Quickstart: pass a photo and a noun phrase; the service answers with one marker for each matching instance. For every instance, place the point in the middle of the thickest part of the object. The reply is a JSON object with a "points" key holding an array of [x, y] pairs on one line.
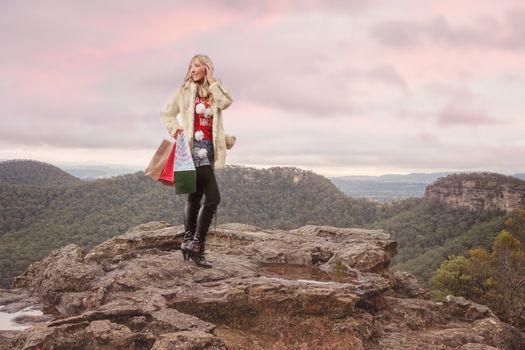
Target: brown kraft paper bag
{"points": [[159, 160]]}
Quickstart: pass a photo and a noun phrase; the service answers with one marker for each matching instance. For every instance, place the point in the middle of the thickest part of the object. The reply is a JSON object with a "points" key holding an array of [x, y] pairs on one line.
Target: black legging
{"points": [[206, 185]]}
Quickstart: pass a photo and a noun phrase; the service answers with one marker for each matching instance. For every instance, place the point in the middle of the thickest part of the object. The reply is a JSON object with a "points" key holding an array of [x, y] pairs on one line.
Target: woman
{"points": [[200, 101]]}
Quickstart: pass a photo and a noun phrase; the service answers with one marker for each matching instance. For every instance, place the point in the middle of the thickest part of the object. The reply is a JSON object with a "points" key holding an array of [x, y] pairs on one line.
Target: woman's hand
{"points": [[176, 132], [209, 76]]}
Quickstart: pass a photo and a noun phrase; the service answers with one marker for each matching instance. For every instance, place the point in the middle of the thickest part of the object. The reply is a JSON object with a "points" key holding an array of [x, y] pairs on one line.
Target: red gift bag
{"points": [[166, 176]]}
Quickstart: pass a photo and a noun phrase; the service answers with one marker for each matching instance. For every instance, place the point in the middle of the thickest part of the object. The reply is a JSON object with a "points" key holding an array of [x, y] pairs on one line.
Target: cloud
{"points": [[303, 64], [429, 138], [516, 21], [462, 110], [115, 133], [482, 32], [459, 114]]}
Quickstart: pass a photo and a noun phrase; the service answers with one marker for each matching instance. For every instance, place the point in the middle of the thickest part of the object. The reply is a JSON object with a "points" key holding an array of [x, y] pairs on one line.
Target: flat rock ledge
{"points": [[315, 287]]}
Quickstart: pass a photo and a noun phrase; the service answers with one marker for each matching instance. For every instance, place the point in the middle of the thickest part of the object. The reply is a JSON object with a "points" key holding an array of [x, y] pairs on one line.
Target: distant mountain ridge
{"points": [[412, 177], [32, 172], [391, 187], [386, 188], [93, 172], [519, 176]]}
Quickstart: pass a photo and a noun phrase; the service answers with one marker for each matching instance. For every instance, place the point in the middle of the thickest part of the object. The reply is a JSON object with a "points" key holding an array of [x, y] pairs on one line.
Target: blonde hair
{"points": [[202, 88]]}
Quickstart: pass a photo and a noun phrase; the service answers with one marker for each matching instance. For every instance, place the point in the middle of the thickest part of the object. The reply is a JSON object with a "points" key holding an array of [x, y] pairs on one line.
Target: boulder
{"points": [[464, 308]]}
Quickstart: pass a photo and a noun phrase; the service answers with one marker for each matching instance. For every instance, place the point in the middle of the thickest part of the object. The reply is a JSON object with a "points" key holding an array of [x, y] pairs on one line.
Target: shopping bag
{"points": [[166, 176], [159, 160], [185, 177]]}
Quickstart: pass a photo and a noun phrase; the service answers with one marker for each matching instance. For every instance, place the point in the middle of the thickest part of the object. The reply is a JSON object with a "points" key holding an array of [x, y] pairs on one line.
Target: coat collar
{"points": [[193, 94]]}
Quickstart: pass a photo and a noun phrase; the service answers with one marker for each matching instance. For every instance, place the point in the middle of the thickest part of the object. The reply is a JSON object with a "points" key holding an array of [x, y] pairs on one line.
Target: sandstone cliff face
{"points": [[316, 287], [479, 191]]}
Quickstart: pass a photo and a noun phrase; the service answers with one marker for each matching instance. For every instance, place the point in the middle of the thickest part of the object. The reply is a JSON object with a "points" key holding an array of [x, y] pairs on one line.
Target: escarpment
{"points": [[313, 287], [479, 191]]}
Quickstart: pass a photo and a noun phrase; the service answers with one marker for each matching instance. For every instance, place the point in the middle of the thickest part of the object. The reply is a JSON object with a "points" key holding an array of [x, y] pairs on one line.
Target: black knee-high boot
{"points": [[191, 211], [197, 246]]}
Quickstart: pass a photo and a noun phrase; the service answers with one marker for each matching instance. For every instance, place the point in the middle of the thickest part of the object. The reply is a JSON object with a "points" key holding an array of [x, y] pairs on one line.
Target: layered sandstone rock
{"points": [[479, 191], [314, 287]]}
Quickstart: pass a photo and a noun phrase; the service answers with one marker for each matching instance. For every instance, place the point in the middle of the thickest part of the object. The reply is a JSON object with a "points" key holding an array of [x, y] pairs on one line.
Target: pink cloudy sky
{"points": [[339, 87]]}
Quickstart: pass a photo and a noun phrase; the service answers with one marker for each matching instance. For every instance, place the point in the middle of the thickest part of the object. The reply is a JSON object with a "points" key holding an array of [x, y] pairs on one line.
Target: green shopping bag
{"points": [[184, 173]]}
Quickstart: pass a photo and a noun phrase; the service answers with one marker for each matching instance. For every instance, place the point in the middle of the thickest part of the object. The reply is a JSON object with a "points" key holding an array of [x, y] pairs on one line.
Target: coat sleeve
{"points": [[169, 114], [221, 96]]}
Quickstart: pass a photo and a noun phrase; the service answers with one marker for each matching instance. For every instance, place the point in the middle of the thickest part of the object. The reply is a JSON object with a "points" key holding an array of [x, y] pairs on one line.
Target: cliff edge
{"points": [[479, 191], [313, 287]]}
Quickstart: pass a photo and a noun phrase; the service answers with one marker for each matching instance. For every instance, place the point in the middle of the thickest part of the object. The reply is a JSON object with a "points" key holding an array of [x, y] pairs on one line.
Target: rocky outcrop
{"points": [[479, 191], [314, 287], [461, 307]]}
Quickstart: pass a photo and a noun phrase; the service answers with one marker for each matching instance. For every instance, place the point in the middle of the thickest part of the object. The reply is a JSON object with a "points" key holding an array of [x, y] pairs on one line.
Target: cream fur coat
{"points": [[179, 111]]}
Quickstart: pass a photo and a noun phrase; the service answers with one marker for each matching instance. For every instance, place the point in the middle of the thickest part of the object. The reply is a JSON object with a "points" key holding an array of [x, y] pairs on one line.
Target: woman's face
{"points": [[198, 71]]}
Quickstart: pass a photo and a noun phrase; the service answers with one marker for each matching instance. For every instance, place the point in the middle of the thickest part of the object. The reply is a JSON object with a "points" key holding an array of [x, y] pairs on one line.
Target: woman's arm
{"points": [[169, 113], [221, 96]]}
